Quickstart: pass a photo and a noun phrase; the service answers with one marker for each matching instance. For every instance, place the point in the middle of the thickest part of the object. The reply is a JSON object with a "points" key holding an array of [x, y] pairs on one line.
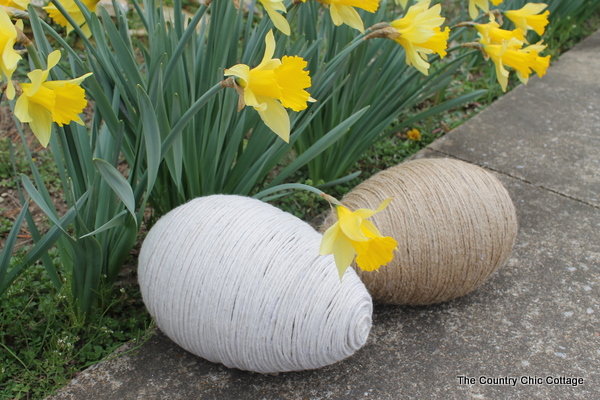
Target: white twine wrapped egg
{"points": [[454, 222], [239, 282]]}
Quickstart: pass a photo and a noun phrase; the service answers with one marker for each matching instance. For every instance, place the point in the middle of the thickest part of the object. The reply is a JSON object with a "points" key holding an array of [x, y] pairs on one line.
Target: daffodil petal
{"points": [[276, 118], [350, 225], [22, 109], [336, 18], [76, 81], [53, 59], [384, 204], [241, 71], [85, 28], [347, 15], [10, 89], [278, 20], [37, 78], [10, 58], [251, 100], [473, 4], [41, 123], [367, 213], [412, 56], [343, 254], [369, 229], [269, 50], [329, 238]]}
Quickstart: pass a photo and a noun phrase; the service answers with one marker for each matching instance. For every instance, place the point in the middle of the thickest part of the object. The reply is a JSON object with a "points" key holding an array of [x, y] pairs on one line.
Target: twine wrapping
{"points": [[454, 222], [240, 282]]}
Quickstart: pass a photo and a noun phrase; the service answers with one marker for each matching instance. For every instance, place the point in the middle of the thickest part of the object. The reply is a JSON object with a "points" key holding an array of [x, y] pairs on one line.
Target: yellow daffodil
{"points": [[353, 235], [484, 5], [273, 85], [71, 7], [540, 65], [511, 54], [492, 33], [272, 6], [342, 11], [43, 102], [18, 4], [529, 17], [9, 58], [420, 34]]}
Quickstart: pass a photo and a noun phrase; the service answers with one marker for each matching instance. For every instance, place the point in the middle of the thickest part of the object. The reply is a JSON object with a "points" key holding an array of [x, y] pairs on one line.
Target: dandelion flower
{"points": [[414, 134]]}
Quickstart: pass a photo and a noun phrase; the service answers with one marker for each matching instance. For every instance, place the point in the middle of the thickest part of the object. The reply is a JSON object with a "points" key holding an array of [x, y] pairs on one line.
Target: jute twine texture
{"points": [[239, 282], [454, 222]]}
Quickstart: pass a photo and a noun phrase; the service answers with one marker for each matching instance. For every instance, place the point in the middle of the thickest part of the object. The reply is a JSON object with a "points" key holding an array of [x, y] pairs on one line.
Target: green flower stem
{"points": [[34, 55], [288, 186]]}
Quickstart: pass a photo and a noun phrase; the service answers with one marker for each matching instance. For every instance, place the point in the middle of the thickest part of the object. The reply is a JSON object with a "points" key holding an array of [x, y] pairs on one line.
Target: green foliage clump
{"points": [[43, 343]]}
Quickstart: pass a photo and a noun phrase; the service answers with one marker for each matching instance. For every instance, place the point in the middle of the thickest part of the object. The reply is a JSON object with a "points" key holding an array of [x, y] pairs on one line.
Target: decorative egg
{"points": [[454, 222], [237, 281]]}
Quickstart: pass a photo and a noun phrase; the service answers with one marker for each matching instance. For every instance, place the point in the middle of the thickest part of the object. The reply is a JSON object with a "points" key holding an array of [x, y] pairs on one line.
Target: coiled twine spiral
{"points": [[454, 222], [240, 282]]}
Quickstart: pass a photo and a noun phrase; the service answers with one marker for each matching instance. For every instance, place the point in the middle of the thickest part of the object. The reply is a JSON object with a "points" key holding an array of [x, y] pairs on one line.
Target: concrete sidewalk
{"points": [[537, 317]]}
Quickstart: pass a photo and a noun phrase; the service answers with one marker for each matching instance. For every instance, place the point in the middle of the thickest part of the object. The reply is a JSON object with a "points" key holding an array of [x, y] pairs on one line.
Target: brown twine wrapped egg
{"points": [[454, 222]]}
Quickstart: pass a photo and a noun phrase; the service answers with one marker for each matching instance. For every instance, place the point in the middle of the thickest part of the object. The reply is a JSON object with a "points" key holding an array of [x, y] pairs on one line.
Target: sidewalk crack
{"points": [[517, 178]]}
